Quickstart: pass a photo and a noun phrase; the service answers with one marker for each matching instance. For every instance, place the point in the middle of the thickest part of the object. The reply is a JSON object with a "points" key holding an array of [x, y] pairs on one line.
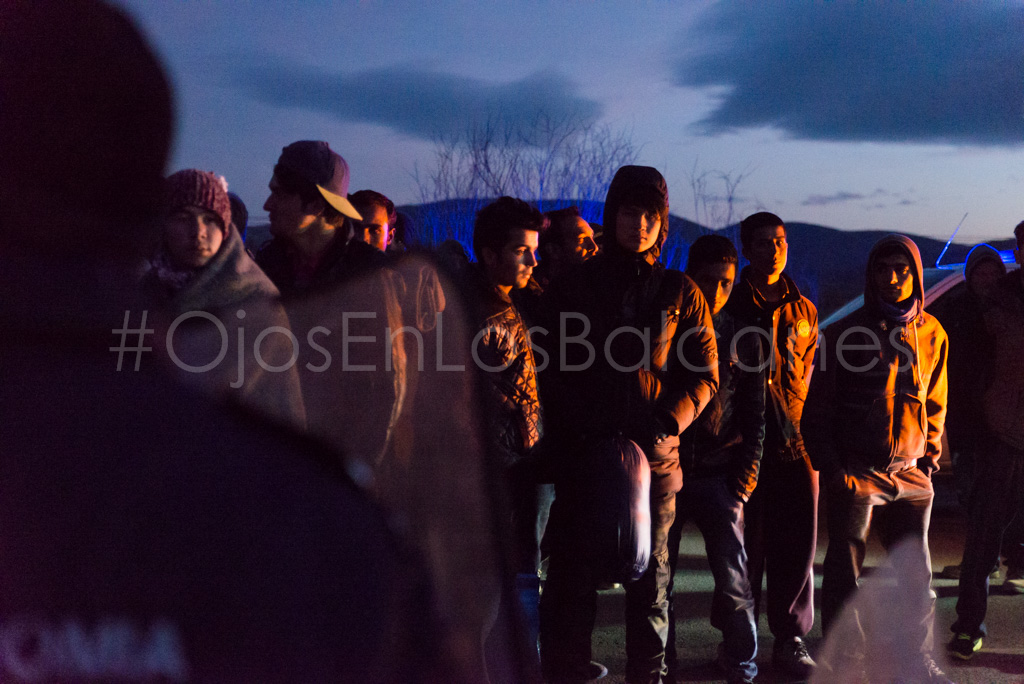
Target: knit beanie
{"points": [[195, 188]]}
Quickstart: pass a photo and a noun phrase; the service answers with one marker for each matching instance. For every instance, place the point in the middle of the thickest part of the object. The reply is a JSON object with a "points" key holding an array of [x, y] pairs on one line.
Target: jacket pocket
{"points": [[911, 425]]}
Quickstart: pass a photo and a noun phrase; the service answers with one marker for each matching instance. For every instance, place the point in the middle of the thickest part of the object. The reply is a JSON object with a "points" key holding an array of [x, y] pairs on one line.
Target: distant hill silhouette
{"points": [[827, 264]]}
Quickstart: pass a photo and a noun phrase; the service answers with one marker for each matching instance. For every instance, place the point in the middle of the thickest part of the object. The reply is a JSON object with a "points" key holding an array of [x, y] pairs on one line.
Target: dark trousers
{"points": [[997, 497], [1013, 541], [569, 603], [781, 534], [530, 506], [900, 504], [711, 504]]}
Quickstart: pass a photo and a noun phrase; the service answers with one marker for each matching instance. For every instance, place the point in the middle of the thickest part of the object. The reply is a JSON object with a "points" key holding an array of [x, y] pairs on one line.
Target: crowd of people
{"points": [[356, 459]]}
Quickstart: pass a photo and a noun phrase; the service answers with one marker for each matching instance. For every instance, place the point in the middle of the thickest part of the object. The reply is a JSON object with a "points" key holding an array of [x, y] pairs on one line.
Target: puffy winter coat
{"points": [[503, 351]]}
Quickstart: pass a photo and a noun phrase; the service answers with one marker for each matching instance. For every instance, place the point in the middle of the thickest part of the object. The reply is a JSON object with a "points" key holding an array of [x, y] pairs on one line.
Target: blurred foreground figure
{"points": [[874, 420], [148, 533], [874, 637]]}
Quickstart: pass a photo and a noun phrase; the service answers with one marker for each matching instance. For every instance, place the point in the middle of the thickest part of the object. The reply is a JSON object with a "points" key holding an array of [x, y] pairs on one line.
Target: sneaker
{"points": [[929, 671], [594, 671], [963, 646], [792, 656], [1014, 582]]}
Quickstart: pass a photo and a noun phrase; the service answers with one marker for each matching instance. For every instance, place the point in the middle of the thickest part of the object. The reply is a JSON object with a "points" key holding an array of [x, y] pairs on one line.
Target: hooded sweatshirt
{"points": [[878, 396], [630, 386]]}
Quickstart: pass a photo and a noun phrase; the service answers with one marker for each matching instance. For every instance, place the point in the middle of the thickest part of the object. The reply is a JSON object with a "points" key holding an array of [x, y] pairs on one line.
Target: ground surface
{"points": [[1000, 661]]}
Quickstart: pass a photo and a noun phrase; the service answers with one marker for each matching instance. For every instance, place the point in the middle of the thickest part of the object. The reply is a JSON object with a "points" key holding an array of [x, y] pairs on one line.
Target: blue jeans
{"points": [[718, 514]]}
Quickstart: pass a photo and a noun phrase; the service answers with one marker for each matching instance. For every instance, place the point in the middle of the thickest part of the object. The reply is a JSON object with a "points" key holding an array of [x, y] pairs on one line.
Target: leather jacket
{"points": [[503, 351], [616, 331]]}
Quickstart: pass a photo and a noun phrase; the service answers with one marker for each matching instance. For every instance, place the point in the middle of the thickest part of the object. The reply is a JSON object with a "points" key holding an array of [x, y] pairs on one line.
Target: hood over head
{"points": [[884, 245], [979, 254], [641, 186]]}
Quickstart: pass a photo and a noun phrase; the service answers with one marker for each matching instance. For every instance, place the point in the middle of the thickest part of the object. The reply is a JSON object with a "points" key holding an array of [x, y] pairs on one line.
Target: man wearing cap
{"points": [[308, 207]]}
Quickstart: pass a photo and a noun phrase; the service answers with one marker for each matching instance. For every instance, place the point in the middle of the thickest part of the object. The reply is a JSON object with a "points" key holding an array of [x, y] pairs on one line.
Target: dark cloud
{"points": [[945, 72], [823, 200], [843, 196], [420, 103]]}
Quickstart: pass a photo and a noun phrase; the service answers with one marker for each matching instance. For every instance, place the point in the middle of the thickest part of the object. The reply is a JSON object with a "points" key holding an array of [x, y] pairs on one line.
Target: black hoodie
{"points": [[628, 387]]}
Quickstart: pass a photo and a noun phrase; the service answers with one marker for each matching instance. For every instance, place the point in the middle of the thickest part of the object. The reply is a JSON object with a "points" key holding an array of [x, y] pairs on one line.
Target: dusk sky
{"points": [[856, 115]]}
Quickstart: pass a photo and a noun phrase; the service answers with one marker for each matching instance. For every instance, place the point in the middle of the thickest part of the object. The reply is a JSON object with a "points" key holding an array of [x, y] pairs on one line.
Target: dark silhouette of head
{"points": [[85, 129]]}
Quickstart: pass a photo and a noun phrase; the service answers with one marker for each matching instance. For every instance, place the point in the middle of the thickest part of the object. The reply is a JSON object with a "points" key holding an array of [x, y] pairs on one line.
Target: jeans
{"points": [[718, 514], [997, 497]]}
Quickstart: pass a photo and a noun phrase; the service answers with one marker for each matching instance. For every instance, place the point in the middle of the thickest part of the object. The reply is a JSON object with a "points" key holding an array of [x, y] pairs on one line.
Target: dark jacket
{"points": [[726, 439], [504, 353], [630, 344], [1004, 399], [881, 404], [792, 326], [602, 379], [969, 368], [340, 262], [141, 517]]}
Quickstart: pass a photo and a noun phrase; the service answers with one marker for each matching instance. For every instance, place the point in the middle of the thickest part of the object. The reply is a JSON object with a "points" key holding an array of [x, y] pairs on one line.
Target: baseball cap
{"points": [[315, 161]]}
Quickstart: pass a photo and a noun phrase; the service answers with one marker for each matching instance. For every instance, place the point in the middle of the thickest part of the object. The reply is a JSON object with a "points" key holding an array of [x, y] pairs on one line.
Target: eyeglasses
{"points": [[884, 270]]}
